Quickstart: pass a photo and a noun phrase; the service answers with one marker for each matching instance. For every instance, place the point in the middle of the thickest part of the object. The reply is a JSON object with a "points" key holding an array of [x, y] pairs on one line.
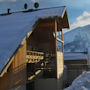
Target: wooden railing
{"points": [[39, 61], [34, 57]]}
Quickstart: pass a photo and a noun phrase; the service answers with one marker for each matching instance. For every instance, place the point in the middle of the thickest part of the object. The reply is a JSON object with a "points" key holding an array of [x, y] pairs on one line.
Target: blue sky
{"points": [[78, 10]]}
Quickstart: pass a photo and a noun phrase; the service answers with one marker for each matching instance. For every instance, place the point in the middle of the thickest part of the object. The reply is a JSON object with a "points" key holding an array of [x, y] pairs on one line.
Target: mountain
{"points": [[77, 40]]}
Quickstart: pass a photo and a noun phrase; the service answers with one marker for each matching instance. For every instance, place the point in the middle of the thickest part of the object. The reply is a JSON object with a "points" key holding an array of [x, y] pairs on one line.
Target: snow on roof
{"points": [[81, 83], [75, 56], [14, 28]]}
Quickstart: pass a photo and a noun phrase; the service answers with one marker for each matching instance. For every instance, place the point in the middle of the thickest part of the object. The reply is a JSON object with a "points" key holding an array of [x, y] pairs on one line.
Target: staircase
{"points": [[39, 62]]}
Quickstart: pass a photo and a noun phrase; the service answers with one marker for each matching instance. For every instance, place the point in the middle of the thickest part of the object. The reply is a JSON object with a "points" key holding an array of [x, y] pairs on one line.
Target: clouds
{"points": [[81, 20]]}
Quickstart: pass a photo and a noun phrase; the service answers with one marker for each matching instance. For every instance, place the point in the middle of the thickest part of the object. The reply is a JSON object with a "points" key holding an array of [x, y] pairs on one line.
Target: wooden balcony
{"points": [[34, 57]]}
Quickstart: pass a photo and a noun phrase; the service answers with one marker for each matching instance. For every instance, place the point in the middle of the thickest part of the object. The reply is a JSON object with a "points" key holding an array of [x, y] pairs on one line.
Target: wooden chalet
{"points": [[29, 56]]}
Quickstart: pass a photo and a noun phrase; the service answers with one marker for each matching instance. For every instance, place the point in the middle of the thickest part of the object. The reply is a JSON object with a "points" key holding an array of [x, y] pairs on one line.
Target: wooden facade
{"points": [[41, 49], [38, 56], [16, 73], [43, 41]]}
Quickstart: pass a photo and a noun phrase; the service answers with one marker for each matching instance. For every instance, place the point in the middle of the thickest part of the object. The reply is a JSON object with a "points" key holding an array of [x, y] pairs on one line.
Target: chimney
{"points": [[25, 6], [36, 4], [9, 11]]}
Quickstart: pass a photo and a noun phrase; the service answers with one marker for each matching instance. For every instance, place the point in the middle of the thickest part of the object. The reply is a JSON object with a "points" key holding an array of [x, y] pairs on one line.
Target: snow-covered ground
{"points": [[81, 83]]}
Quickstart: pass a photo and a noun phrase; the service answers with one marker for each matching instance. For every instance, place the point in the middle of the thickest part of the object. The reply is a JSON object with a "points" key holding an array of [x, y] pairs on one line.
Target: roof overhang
{"points": [[62, 21]]}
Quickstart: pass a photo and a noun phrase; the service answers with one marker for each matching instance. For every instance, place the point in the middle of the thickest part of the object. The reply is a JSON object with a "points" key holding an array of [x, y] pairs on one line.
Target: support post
{"points": [[56, 45], [59, 65], [62, 40]]}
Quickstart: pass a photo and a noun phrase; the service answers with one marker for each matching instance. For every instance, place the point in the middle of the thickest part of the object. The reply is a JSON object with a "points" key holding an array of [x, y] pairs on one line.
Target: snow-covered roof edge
{"points": [[13, 55], [69, 56], [28, 34]]}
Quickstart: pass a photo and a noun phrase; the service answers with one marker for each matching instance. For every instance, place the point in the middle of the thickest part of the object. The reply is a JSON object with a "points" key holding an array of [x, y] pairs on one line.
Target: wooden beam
{"points": [[56, 31], [34, 57], [34, 75], [35, 52], [56, 46], [29, 33], [60, 40]]}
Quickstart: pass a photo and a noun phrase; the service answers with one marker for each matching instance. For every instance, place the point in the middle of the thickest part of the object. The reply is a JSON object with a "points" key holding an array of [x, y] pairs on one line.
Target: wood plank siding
{"points": [[16, 73]]}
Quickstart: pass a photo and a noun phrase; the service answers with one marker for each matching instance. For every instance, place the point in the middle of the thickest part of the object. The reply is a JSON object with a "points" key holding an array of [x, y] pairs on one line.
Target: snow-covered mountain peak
{"points": [[77, 39]]}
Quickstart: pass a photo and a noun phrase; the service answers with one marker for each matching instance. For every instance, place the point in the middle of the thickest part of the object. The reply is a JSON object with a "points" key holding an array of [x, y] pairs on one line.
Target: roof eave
{"points": [[64, 21]]}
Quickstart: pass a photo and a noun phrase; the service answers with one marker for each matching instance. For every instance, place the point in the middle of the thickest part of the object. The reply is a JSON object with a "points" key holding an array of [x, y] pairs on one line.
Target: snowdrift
{"points": [[81, 83]]}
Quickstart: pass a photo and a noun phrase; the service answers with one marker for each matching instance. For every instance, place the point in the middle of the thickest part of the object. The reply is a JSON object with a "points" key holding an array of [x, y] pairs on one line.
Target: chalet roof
{"points": [[15, 27], [75, 56]]}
